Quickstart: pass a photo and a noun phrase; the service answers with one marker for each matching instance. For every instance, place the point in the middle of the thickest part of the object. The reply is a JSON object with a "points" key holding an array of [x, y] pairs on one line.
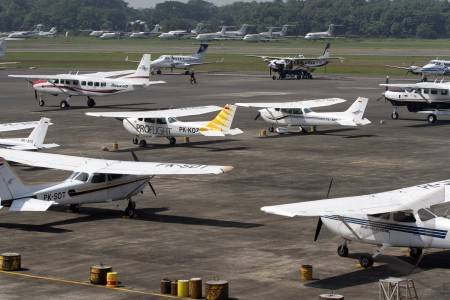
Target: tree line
{"points": [[365, 18]]}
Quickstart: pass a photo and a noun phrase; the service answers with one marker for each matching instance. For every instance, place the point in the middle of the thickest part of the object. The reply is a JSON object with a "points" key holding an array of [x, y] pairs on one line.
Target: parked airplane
{"points": [[36, 32], [93, 84], [92, 181], [212, 35], [224, 34], [34, 141], [299, 67], [267, 36], [400, 218], [431, 98], [175, 34], [110, 35], [3, 53], [436, 67], [51, 33], [144, 34], [321, 35], [164, 123], [293, 116], [6, 127]]}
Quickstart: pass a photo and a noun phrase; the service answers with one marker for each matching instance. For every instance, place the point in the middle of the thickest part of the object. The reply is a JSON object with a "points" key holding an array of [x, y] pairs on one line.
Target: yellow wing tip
{"points": [[227, 168]]}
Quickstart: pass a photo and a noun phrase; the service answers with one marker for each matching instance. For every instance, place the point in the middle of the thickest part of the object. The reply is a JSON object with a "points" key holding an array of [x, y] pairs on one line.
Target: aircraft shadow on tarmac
{"points": [[331, 132], [92, 214], [198, 144], [425, 124], [392, 266], [128, 106]]}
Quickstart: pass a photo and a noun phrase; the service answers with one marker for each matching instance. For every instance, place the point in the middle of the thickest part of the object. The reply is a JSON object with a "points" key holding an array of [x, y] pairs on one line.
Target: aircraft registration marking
{"points": [[54, 196], [154, 130]]}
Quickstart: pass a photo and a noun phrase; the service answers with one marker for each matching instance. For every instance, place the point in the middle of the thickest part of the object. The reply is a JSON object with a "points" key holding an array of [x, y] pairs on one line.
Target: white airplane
{"points": [[109, 35], [185, 62], [35, 141], [299, 67], [36, 32], [93, 84], [405, 217], [147, 34], [51, 33], [321, 35], [176, 34], [267, 36], [437, 67], [293, 116], [3, 53], [164, 123], [92, 181], [97, 33], [211, 35], [224, 34], [431, 98]]}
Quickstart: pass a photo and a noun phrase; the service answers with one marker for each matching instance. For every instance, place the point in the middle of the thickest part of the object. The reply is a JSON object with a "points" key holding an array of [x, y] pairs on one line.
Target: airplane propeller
{"points": [[319, 222], [35, 95], [135, 158], [257, 116]]}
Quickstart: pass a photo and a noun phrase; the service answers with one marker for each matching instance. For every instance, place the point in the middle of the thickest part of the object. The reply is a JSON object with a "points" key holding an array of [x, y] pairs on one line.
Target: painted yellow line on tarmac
{"points": [[74, 282]]}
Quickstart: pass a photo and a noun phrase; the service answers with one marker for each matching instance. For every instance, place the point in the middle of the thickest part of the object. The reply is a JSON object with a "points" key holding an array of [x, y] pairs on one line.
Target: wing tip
{"points": [[226, 169]]}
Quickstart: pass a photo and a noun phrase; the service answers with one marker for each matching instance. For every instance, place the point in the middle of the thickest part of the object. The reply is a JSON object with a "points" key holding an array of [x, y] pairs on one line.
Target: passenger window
{"points": [[286, 111], [103, 84], [402, 216], [277, 109], [384, 216], [83, 83], [426, 91], [444, 92], [425, 215], [161, 121], [98, 178], [55, 81], [90, 83], [434, 92], [140, 119], [76, 82], [149, 120], [68, 82], [96, 84]]}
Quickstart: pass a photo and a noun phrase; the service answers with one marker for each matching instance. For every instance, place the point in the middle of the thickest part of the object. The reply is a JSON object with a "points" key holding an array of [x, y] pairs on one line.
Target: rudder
{"points": [[39, 133], [11, 186], [223, 120]]}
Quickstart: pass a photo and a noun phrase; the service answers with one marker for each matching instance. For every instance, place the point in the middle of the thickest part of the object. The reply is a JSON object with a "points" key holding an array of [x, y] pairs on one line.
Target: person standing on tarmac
{"points": [[193, 80]]}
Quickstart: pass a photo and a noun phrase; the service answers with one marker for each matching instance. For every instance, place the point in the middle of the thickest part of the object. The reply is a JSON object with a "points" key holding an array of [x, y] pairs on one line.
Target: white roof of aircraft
{"points": [[295, 104]]}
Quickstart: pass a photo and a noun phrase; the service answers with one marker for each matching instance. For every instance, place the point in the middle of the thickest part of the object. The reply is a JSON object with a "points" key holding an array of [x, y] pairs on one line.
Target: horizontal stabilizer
{"points": [[212, 133], [30, 204], [364, 121], [346, 122], [234, 131]]}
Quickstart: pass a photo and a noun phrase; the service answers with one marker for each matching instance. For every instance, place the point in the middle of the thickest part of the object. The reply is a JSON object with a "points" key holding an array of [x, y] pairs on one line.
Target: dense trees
{"points": [[374, 18]]}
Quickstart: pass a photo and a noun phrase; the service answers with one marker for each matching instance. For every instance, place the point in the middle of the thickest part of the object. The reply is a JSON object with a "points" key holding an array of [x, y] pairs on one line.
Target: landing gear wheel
{"points": [[431, 118], [299, 77], [41, 103], [64, 104], [130, 211], [75, 208], [415, 252], [142, 143], [271, 129], [135, 141], [159, 72], [366, 261], [394, 115], [91, 102], [342, 251], [274, 77], [187, 72], [172, 141]]}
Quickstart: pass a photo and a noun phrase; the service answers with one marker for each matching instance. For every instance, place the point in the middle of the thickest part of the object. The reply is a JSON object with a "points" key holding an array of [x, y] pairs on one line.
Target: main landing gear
{"points": [[130, 211], [172, 140], [394, 114], [415, 252], [75, 208], [431, 118], [90, 102]]}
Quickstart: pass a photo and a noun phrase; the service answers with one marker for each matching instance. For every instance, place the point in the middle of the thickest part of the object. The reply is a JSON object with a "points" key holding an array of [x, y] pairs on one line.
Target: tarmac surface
{"points": [[211, 226]]}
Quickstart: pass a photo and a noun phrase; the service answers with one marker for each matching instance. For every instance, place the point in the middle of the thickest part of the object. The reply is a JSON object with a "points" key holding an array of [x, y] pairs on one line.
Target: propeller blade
{"points": [[318, 228], [329, 187], [152, 188], [257, 116], [135, 158], [35, 95]]}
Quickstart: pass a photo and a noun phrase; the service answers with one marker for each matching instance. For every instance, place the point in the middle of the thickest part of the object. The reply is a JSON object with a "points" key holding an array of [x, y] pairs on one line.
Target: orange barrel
{"points": [[173, 288], [112, 279], [164, 286], [115, 147], [195, 288], [10, 262], [263, 133], [99, 274], [183, 288], [306, 272], [186, 139], [331, 297], [216, 290]]}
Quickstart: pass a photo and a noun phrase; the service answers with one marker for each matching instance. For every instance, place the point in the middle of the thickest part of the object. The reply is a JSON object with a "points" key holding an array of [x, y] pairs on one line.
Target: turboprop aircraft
{"points": [[267, 36], [321, 35], [163, 123], [293, 116], [437, 67], [93, 84], [92, 181], [299, 67], [431, 98], [35, 141], [405, 217], [224, 34]]}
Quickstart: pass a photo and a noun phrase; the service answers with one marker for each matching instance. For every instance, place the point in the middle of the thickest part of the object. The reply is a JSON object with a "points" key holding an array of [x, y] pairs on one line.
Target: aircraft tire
{"points": [[366, 261], [394, 116], [130, 212], [172, 141], [415, 252], [91, 102], [431, 118], [159, 72], [142, 143], [271, 129], [342, 251], [274, 77], [64, 104], [41, 103], [135, 141]]}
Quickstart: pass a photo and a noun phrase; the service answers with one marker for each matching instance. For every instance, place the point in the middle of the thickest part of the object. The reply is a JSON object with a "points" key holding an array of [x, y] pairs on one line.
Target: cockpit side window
{"points": [[149, 120], [98, 178], [403, 216], [307, 110], [82, 177], [161, 121], [425, 215], [384, 216], [172, 120], [444, 92], [112, 177]]}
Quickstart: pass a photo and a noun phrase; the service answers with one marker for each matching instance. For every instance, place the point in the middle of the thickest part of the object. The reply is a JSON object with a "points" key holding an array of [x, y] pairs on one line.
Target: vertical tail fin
{"points": [[11, 186], [53, 30], [222, 122], [243, 29], [357, 109], [326, 51], [156, 29], [38, 134], [143, 70], [201, 51], [284, 30]]}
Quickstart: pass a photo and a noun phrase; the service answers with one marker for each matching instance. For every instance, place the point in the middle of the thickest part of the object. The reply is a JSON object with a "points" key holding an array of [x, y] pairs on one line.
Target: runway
{"points": [[212, 226]]}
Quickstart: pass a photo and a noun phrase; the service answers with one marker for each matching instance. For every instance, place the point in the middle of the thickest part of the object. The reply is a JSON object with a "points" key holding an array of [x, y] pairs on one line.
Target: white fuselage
{"points": [[384, 230], [175, 34], [309, 64], [175, 61], [163, 127], [318, 35], [300, 117]]}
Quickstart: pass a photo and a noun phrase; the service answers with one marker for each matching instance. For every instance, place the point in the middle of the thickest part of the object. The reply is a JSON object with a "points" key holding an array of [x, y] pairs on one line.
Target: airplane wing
{"points": [[347, 122], [18, 126], [398, 67], [8, 63], [295, 104], [423, 85], [164, 113], [33, 76], [92, 165], [110, 74], [410, 198]]}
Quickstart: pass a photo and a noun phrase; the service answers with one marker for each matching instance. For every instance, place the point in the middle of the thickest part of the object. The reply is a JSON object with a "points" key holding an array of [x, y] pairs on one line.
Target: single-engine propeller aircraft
{"points": [[431, 98], [90, 85], [294, 116], [34, 141], [299, 67], [92, 181], [406, 217], [164, 123]]}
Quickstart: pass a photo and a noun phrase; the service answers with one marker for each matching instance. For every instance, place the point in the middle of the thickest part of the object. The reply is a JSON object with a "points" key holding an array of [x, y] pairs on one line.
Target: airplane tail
{"points": [[223, 30], [11, 186], [156, 29], [143, 70], [201, 51], [243, 29], [326, 51], [284, 30], [53, 30], [356, 111], [221, 124], [37, 136], [331, 29]]}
